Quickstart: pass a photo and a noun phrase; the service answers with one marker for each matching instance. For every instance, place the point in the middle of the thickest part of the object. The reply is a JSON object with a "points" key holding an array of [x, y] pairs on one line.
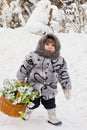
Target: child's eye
{"points": [[47, 43]]}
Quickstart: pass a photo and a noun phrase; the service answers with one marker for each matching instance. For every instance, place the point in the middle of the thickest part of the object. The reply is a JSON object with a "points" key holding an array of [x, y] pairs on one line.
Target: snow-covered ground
{"points": [[14, 45]]}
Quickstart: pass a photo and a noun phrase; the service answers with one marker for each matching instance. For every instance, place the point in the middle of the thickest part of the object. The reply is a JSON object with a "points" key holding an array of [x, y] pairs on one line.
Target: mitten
{"points": [[67, 93]]}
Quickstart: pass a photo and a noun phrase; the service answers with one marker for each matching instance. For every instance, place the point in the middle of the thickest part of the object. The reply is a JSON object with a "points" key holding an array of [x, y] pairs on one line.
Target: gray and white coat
{"points": [[44, 70]]}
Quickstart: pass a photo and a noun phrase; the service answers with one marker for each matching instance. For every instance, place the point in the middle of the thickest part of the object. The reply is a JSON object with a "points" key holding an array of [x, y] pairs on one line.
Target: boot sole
{"points": [[56, 124]]}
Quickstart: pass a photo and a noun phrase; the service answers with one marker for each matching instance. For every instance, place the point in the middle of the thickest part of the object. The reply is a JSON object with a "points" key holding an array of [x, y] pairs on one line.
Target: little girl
{"points": [[44, 68]]}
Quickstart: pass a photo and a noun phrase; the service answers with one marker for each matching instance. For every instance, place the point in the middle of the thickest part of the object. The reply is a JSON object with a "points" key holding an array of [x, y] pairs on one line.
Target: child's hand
{"points": [[67, 93], [21, 82]]}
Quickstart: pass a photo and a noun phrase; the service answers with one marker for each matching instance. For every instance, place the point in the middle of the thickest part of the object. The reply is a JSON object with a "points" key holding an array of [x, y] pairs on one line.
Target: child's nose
{"points": [[50, 46]]}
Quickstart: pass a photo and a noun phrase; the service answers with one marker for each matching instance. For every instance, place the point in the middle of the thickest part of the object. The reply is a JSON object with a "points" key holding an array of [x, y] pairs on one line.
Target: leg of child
{"points": [[52, 119], [29, 111], [51, 110]]}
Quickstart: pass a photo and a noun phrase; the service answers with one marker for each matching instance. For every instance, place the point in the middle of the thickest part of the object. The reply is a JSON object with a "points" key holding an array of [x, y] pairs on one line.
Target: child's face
{"points": [[50, 45]]}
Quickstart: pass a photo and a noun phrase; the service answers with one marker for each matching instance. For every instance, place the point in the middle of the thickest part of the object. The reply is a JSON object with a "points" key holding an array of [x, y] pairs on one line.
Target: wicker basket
{"points": [[9, 109]]}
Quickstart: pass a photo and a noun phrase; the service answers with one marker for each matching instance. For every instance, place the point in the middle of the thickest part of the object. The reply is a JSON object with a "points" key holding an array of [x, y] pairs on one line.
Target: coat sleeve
{"points": [[63, 75], [26, 67]]}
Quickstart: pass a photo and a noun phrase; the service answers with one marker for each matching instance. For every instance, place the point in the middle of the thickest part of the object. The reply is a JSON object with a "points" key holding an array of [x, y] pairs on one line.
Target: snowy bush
{"points": [[76, 17], [15, 13], [44, 16]]}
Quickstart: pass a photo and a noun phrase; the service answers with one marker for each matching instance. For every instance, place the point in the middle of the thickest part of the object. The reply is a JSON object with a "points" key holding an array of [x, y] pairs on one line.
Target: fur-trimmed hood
{"points": [[40, 48]]}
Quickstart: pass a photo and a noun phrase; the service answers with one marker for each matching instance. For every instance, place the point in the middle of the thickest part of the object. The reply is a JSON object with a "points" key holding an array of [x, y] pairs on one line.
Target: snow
{"points": [[16, 44], [37, 23]]}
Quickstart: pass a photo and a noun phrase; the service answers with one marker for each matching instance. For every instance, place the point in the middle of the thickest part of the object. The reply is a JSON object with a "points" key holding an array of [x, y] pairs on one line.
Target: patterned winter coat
{"points": [[45, 70]]}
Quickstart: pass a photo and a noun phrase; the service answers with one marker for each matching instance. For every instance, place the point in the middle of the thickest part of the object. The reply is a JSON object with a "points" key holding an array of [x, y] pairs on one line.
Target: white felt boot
{"points": [[52, 119], [27, 114]]}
